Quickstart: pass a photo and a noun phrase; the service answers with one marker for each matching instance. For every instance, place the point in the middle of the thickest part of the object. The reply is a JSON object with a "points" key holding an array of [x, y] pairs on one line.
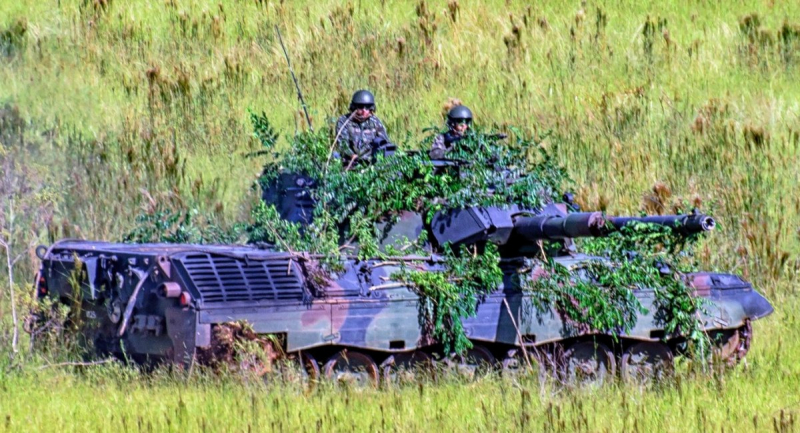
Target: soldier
{"points": [[459, 119], [360, 132]]}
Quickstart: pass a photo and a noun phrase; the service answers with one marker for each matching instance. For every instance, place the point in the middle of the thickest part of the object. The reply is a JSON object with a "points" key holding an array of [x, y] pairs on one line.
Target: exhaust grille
{"points": [[226, 279]]}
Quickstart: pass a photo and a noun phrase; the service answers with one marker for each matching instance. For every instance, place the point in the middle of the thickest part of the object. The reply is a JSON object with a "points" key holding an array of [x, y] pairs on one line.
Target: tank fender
{"points": [[732, 293], [756, 305], [186, 334], [741, 305]]}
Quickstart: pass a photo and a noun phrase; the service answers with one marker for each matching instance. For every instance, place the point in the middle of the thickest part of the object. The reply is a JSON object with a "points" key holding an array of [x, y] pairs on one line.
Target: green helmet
{"points": [[362, 98], [459, 113]]}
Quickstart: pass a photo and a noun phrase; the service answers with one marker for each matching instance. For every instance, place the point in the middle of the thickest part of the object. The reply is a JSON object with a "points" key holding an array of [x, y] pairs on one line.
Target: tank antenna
{"points": [[296, 84]]}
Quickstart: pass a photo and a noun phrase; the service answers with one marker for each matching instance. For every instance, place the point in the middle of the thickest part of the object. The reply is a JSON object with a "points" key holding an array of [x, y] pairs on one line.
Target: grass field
{"points": [[109, 107], [758, 396]]}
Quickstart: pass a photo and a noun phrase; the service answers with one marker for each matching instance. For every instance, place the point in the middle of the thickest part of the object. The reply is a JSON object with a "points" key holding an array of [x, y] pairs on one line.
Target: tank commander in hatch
{"points": [[361, 134], [459, 119]]}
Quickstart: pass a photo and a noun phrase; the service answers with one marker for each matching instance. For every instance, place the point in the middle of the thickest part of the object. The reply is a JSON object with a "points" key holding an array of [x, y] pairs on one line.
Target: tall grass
{"points": [[758, 396], [120, 106], [143, 95]]}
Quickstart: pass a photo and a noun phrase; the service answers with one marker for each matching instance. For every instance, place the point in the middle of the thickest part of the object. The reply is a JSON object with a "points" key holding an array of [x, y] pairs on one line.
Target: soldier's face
{"points": [[362, 113], [461, 128]]}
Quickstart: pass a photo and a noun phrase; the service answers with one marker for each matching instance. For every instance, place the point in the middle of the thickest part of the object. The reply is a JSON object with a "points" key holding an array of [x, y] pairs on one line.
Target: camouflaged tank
{"points": [[185, 303]]}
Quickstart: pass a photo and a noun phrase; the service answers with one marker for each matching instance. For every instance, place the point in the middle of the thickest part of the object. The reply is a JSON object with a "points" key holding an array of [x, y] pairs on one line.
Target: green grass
{"points": [[135, 99], [753, 397]]}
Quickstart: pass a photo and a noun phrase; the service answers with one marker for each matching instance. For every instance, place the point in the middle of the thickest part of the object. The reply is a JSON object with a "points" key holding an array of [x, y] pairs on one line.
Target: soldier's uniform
{"points": [[443, 144], [357, 138]]}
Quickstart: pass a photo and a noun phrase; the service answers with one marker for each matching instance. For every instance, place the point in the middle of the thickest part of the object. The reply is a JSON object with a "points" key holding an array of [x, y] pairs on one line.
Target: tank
{"points": [[183, 304]]}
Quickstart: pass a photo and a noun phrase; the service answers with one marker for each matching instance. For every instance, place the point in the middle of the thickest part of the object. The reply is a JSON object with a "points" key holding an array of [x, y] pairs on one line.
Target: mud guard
{"points": [[186, 334]]}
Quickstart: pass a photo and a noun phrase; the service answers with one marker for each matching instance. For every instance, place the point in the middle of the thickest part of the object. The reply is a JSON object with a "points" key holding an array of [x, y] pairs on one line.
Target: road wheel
{"points": [[352, 368], [731, 345], [475, 361], [646, 361], [589, 362], [403, 368], [301, 367], [516, 365]]}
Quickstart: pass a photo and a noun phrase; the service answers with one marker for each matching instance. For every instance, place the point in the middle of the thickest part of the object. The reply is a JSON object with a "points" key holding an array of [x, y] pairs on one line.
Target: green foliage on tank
{"points": [[597, 295], [349, 200]]}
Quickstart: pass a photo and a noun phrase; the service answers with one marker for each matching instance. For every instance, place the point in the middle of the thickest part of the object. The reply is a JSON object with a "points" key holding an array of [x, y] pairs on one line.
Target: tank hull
{"points": [[163, 302]]}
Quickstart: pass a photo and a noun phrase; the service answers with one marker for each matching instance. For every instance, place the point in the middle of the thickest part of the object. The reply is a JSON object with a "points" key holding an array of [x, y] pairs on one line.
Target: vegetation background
{"points": [[111, 108]]}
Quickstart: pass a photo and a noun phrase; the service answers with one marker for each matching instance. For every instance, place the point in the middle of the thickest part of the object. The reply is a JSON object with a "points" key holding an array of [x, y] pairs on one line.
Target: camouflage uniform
{"points": [[443, 144], [356, 138]]}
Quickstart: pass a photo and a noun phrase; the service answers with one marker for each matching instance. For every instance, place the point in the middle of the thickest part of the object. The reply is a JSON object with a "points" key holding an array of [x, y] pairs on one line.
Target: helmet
{"points": [[362, 98], [459, 113]]}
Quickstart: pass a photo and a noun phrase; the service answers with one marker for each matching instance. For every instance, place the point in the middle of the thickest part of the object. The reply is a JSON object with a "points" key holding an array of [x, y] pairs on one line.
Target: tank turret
{"points": [[513, 226], [518, 230]]}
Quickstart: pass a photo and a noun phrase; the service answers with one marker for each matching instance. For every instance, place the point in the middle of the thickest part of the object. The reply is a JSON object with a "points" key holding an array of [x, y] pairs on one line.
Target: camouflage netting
{"points": [[351, 198]]}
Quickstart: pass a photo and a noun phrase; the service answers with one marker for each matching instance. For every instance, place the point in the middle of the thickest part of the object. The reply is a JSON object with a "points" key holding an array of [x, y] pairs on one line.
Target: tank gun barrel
{"points": [[594, 224], [575, 225], [684, 224]]}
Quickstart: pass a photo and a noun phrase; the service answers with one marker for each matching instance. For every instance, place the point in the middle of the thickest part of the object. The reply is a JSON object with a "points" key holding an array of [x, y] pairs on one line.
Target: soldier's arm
{"points": [[380, 130], [437, 148], [343, 138], [341, 132]]}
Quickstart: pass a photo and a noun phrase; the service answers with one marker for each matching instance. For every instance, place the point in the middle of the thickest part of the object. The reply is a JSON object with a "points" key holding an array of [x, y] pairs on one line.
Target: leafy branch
{"points": [[453, 293], [600, 295]]}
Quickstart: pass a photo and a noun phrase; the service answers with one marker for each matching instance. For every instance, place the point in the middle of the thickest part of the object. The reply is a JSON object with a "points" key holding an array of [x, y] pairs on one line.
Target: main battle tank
{"points": [[176, 303]]}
